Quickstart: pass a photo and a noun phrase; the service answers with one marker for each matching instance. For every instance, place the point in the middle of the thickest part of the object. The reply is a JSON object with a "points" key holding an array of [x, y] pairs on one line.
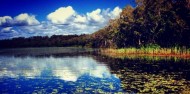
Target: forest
{"points": [[165, 23]]}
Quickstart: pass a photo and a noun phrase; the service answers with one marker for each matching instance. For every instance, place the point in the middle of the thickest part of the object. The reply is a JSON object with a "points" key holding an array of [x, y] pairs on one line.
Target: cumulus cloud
{"points": [[20, 20], [98, 17], [6, 21], [25, 19], [95, 16], [115, 13], [80, 19], [61, 15], [63, 21], [66, 20]]}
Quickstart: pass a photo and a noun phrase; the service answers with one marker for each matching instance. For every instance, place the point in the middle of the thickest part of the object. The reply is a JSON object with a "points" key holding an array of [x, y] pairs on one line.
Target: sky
{"points": [[26, 18]]}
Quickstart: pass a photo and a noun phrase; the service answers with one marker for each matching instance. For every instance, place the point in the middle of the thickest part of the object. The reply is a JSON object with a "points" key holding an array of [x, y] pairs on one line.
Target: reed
{"points": [[147, 51]]}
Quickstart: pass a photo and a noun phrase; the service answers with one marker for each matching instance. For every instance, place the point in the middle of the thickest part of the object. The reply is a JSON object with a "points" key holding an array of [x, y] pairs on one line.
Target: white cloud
{"points": [[116, 12], [8, 32], [25, 19], [6, 20], [6, 29], [89, 22], [95, 16], [80, 19], [20, 20], [63, 21], [61, 15], [79, 26], [67, 15]]}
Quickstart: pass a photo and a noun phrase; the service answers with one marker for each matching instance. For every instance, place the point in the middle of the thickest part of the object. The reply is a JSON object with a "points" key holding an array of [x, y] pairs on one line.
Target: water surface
{"points": [[80, 70]]}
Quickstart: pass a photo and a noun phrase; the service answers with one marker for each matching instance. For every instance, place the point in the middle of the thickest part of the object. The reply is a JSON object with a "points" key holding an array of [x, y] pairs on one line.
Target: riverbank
{"points": [[147, 52]]}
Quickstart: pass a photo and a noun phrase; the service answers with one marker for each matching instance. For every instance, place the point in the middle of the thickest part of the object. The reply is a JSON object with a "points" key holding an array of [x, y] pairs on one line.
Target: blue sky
{"points": [[25, 18]]}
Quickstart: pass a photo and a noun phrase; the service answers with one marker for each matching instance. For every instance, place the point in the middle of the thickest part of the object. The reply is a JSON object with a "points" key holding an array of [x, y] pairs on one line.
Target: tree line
{"points": [[41, 41]]}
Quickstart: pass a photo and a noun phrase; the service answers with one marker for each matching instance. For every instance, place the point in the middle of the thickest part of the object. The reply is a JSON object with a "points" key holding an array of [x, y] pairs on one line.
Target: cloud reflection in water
{"points": [[65, 68]]}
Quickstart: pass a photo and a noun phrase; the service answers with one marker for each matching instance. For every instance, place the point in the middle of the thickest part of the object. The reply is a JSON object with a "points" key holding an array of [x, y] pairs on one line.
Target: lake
{"points": [[83, 70]]}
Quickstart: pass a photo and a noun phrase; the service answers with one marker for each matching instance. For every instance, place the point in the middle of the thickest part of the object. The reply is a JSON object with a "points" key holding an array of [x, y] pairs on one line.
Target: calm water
{"points": [[79, 70]]}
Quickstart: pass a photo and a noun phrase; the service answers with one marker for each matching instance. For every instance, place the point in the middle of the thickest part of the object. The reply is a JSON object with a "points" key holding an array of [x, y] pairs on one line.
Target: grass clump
{"points": [[148, 50]]}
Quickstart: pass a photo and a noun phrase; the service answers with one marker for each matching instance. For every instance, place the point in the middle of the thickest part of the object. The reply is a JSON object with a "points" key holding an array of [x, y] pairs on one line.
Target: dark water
{"points": [[79, 70]]}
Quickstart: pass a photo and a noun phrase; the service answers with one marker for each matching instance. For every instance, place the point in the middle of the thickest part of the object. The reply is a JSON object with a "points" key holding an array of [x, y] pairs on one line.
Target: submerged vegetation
{"points": [[151, 76], [164, 23]]}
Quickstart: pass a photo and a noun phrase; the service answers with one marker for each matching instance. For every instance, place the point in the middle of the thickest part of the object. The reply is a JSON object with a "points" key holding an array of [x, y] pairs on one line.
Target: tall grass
{"points": [[148, 51]]}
